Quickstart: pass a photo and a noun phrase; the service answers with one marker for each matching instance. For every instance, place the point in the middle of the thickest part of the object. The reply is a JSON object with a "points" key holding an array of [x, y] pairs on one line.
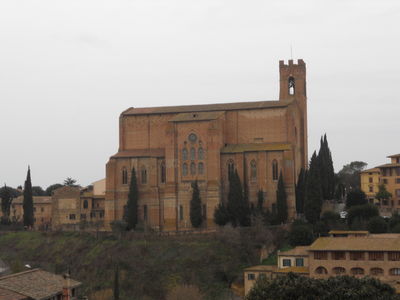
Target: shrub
{"points": [[300, 234], [377, 225], [362, 213], [356, 197]]}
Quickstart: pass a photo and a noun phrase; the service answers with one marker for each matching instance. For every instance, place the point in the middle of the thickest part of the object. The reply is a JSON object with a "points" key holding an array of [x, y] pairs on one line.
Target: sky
{"points": [[69, 68]]}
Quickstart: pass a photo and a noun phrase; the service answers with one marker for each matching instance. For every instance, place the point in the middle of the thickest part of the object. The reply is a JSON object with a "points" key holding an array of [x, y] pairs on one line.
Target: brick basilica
{"points": [[172, 146]]}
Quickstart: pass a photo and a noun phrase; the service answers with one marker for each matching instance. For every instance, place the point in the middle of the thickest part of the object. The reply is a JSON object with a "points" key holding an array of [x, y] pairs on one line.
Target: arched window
{"points": [[321, 270], [192, 168], [231, 167], [357, 271], [376, 271], [124, 176], [192, 153], [338, 270], [163, 172], [201, 168], [145, 212], [184, 154], [291, 85], [85, 204], [184, 169], [143, 175], [394, 271], [253, 170], [274, 170], [201, 153]]}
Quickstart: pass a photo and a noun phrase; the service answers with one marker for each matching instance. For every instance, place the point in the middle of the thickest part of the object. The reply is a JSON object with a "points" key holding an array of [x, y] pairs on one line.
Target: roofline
{"points": [[394, 155]]}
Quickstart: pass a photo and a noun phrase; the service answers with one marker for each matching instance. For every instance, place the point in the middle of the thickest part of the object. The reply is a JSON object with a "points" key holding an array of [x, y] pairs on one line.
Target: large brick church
{"points": [[172, 146]]}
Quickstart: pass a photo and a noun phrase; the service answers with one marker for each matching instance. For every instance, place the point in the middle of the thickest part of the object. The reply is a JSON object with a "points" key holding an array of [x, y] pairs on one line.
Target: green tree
{"points": [[281, 201], [300, 234], [356, 197], [362, 213], [377, 225], [301, 191], [221, 215], [383, 194], [313, 199], [70, 182], [116, 283], [349, 175], [28, 201], [131, 214], [52, 187], [38, 191], [326, 169], [237, 206], [6, 196], [196, 217], [260, 201]]}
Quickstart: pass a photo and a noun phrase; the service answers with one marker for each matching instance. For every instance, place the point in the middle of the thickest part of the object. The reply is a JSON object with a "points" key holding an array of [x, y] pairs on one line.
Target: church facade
{"points": [[170, 147]]}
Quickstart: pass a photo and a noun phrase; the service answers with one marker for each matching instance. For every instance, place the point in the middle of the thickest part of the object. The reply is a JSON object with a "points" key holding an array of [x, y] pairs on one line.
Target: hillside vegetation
{"points": [[150, 266]]}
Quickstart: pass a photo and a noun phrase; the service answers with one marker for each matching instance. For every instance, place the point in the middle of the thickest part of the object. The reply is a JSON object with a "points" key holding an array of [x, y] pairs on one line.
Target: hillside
{"points": [[150, 265]]}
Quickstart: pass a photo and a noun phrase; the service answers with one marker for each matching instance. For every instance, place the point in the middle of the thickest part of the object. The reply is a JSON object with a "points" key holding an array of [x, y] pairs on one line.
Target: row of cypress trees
{"points": [[316, 184]]}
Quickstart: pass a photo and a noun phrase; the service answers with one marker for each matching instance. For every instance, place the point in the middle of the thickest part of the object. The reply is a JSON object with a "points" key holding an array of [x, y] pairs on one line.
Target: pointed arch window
{"points": [[163, 172], [231, 167], [275, 170], [124, 176], [253, 170], [184, 154], [192, 168], [201, 153], [184, 169], [201, 168], [192, 153], [291, 85], [143, 175]]}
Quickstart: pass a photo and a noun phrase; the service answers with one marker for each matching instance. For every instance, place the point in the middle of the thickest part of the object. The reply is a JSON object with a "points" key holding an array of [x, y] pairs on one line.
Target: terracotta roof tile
{"points": [[36, 284], [299, 251], [394, 155], [356, 244], [140, 153], [372, 170], [261, 268], [205, 107], [36, 200], [10, 295]]}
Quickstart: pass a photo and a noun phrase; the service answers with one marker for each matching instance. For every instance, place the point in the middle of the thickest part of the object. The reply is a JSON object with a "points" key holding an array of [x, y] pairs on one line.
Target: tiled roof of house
{"points": [[297, 251], [206, 107], [261, 268], [36, 284], [10, 295], [140, 153], [389, 165], [372, 170], [355, 244], [237, 148], [394, 155]]}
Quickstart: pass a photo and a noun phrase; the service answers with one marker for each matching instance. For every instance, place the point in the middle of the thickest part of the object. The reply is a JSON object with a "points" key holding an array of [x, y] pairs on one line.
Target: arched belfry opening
{"points": [[291, 85]]}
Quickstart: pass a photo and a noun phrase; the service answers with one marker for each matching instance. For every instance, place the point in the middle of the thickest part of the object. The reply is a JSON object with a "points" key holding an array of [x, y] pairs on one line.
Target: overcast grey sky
{"points": [[69, 68]]}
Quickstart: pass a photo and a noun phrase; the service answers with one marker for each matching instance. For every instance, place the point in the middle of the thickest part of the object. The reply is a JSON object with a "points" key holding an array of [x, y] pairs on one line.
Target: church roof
{"points": [[206, 107], [140, 153]]}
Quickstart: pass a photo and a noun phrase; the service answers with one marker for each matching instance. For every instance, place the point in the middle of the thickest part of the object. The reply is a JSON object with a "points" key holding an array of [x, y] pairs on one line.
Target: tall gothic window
{"points": [[201, 153], [163, 172], [85, 204], [253, 170], [143, 175], [274, 170], [184, 169], [201, 168], [145, 212], [192, 168], [124, 176], [184, 154], [192, 153], [231, 167], [291, 85]]}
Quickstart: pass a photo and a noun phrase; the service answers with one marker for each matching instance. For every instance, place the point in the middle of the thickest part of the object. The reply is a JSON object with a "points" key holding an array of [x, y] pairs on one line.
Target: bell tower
{"points": [[292, 80]]}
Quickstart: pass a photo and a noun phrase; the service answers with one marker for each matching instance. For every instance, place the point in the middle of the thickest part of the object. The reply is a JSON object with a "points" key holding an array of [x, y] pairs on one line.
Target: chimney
{"points": [[66, 290]]}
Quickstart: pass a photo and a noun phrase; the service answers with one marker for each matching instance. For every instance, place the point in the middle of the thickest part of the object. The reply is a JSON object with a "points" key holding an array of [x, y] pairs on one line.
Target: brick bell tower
{"points": [[293, 86]]}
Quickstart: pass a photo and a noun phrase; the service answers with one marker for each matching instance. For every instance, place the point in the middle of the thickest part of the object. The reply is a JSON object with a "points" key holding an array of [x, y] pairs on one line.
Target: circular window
{"points": [[192, 137]]}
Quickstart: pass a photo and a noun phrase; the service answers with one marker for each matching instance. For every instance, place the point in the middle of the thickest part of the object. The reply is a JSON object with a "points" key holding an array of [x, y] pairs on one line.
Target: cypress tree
{"points": [[281, 201], [237, 206], [326, 169], [116, 283], [300, 191], [221, 215], [28, 201], [313, 197], [195, 207], [330, 169], [131, 216]]}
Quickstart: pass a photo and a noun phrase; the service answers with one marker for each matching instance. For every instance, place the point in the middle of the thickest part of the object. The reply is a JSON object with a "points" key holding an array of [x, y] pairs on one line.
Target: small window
{"points": [[397, 193], [145, 212], [72, 217], [371, 189], [299, 262], [143, 175], [394, 271], [231, 167], [184, 154], [385, 181], [321, 255], [338, 255], [42, 209], [370, 179], [201, 153], [192, 153], [376, 271], [339, 270], [286, 262], [274, 170], [181, 212], [357, 271], [251, 276], [397, 180], [184, 169], [291, 85], [192, 137], [124, 176], [394, 256], [162, 172], [201, 168], [192, 168], [356, 255], [83, 216], [321, 270], [253, 170], [375, 255], [85, 204], [101, 214]]}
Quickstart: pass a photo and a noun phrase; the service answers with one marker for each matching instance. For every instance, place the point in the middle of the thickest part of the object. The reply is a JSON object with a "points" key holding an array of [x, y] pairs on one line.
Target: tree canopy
{"points": [[356, 197], [349, 175], [313, 199]]}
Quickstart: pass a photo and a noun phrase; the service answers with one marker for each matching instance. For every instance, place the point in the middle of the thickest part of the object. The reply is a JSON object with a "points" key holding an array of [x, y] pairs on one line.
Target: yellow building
{"points": [[389, 175], [41, 211]]}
